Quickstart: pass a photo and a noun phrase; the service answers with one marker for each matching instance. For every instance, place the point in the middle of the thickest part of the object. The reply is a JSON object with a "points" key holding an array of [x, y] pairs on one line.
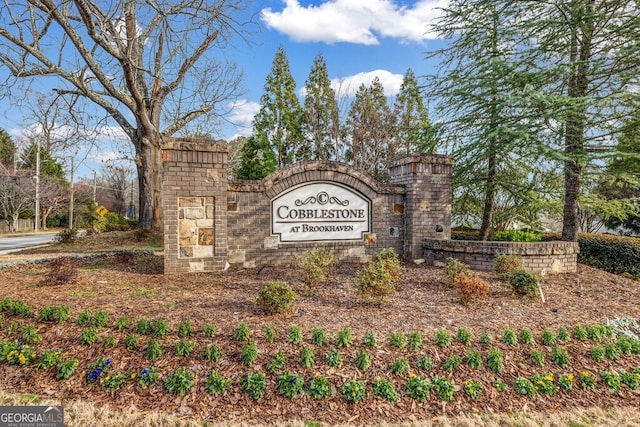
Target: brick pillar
{"points": [[427, 203], [194, 203]]}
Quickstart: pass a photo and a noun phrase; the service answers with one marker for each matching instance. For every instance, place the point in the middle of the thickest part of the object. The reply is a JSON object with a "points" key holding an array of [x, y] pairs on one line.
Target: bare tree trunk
{"points": [[580, 55], [149, 167]]}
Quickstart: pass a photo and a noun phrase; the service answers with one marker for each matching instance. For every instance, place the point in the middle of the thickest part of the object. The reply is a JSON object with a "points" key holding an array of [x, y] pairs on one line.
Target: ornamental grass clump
{"points": [[376, 281], [275, 297]]}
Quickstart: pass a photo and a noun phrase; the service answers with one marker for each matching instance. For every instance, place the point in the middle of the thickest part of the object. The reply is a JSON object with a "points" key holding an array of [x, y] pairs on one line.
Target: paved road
{"points": [[15, 242]]}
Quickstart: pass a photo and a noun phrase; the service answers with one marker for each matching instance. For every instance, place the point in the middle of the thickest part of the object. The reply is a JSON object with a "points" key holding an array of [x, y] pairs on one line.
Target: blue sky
{"points": [[359, 39]]}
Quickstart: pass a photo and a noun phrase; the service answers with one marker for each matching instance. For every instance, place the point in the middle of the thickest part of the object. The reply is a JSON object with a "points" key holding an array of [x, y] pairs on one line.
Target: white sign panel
{"points": [[320, 211]]}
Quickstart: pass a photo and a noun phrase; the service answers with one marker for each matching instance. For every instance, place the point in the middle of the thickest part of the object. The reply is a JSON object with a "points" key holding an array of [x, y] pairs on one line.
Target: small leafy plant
{"points": [[154, 349], [537, 357], [115, 381], [131, 342], [472, 388], [464, 336], [183, 347], [306, 357], [363, 360], [400, 367], [148, 376], [318, 337], [290, 385], [185, 329], [216, 383], [548, 337], [208, 330], [424, 362], [319, 387], [354, 391], [242, 332], [180, 381], [277, 363], [443, 338], [474, 359], [397, 339], [525, 336], [254, 385], [212, 353], [48, 359], [415, 340], [270, 334], [58, 314], [443, 387], [524, 387], [249, 353], [495, 360], [334, 358], [452, 363], [509, 337], [295, 335], [418, 388], [505, 264], [344, 338], [370, 339], [560, 356], [66, 368], [97, 369], [386, 390]]}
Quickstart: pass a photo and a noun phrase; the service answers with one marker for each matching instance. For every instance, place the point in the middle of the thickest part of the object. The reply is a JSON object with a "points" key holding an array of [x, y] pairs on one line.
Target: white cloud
{"points": [[241, 116], [348, 86], [355, 21]]}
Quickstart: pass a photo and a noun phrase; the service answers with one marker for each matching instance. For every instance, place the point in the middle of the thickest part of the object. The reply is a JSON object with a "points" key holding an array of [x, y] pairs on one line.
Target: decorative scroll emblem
{"points": [[322, 199], [320, 211]]}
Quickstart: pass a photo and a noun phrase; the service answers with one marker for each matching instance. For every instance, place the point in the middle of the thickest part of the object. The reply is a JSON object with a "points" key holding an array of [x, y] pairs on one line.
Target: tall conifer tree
{"points": [[414, 131], [278, 124], [371, 131], [321, 127]]}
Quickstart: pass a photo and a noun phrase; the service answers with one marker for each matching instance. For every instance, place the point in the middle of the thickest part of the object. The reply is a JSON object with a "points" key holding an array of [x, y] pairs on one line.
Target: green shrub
{"points": [[616, 254], [376, 281], [452, 269], [524, 282], [506, 263], [278, 362], [516, 236], [58, 314], [312, 268], [275, 297]]}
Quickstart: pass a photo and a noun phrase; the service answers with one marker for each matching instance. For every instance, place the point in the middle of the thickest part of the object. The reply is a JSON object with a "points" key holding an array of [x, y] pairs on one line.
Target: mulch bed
{"points": [[135, 286]]}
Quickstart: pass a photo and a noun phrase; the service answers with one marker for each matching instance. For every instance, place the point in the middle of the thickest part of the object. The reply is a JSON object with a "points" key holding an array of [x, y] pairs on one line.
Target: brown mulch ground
{"points": [[135, 286]]}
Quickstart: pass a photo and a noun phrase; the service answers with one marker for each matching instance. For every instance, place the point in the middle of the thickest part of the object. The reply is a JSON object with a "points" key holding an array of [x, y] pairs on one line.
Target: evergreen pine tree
{"points": [[414, 131], [321, 127]]}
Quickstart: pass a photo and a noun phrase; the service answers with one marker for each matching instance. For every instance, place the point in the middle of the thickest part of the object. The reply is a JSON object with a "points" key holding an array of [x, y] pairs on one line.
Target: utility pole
{"points": [[37, 214], [94, 186], [71, 196]]}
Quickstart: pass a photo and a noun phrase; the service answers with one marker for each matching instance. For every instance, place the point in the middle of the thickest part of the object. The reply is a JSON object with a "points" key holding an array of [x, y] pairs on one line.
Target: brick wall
{"points": [[211, 222], [194, 201], [550, 257]]}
